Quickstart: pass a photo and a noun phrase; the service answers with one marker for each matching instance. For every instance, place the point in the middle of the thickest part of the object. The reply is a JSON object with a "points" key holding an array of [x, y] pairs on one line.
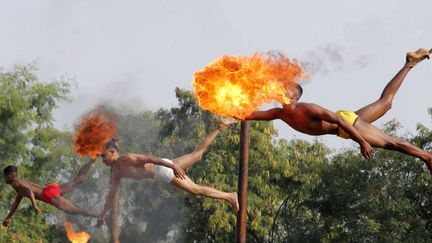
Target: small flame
{"points": [[238, 85], [75, 237], [92, 135]]}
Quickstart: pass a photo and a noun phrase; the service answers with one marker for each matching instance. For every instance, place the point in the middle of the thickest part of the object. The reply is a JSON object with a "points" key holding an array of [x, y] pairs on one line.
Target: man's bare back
{"points": [[306, 118], [50, 194], [138, 166], [127, 166], [24, 187], [313, 119]]}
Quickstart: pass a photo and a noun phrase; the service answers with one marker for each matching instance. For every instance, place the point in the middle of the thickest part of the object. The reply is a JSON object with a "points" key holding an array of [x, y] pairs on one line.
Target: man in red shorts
{"points": [[50, 194]]}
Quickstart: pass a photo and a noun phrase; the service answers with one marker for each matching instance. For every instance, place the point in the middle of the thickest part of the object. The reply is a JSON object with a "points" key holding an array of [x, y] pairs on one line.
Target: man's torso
{"points": [[137, 172], [22, 185], [302, 117]]}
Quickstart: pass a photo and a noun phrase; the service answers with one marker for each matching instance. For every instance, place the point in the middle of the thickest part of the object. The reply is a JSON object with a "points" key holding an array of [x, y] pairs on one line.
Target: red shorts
{"points": [[50, 191]]}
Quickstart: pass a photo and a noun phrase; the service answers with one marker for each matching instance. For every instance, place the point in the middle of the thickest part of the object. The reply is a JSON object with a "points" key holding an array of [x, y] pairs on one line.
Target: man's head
{"points": [[295, 93], [10, 173], [111, 152]]}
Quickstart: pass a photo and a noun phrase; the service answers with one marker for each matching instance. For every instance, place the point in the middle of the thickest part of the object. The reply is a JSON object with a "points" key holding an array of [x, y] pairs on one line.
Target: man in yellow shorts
{"points": [[313, 119], [348, 116]]}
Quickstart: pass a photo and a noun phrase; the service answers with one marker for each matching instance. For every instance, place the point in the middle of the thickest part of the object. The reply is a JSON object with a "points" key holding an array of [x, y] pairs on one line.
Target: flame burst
{"points": [[75, 237], [93, 133], [238, 85]]}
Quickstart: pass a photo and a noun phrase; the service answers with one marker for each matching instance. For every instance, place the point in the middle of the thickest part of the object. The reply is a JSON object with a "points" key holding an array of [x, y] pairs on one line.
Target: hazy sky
{"points": [[136, 52]]}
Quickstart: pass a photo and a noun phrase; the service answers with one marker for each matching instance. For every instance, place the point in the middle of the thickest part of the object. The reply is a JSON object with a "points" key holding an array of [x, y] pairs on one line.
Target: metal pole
{"points": [[243, 182]]}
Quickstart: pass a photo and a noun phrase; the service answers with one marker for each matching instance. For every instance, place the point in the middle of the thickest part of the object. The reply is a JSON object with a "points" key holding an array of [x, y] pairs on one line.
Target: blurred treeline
{"points": [[298, 191]]}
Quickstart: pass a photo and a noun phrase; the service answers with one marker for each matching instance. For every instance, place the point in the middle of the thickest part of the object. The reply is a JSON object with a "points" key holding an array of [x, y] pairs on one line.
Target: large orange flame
{"points": [[238, 85], [92, 135], [75, 237]]}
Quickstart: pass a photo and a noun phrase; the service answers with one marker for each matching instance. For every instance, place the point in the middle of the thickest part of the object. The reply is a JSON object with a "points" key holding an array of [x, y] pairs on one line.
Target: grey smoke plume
{"points": [[333, 57]]}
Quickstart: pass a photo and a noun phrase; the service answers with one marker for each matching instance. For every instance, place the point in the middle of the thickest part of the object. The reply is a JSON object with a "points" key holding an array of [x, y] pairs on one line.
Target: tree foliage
{"points": [[298, 190], [29, 140]]}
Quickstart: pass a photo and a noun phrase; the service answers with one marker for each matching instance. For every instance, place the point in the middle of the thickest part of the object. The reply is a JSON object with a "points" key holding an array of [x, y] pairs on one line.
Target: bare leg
{"points": [[114, 219], [69, 186], [68, 207], [377, 109], [189, 186], [378, 139], [187, 160]]}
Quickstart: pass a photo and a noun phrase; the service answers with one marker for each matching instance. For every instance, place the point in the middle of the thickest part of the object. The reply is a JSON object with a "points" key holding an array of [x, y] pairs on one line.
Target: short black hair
{"points": [[113, 143], [10, 169], [300, 89]]}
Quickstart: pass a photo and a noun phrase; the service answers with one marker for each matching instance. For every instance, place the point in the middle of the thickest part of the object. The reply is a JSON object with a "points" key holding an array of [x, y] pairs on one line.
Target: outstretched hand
{"points": [[366, 150], [179, 172], [6, 222], [235, 116], [100, 221], [37, 211]]}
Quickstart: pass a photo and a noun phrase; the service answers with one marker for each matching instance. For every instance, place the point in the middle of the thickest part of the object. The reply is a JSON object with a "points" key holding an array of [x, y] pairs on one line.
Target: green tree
{"points": [[298, 190], [383, 199], [150, 209], [274, 167], [154, 211], [29, 140]]}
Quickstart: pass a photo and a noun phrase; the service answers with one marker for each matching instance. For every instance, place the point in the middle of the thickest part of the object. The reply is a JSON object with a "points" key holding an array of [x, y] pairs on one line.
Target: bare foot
{"points": [[225, 121], [413, 58], [234, 202]]}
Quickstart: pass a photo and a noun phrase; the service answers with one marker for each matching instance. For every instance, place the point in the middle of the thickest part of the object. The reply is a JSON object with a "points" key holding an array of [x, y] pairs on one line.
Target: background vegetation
{"points": [[298, 191]]}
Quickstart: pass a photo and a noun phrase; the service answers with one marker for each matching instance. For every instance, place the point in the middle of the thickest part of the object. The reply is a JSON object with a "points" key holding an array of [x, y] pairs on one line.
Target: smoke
{"points": [[102, 110], [332, 57], [149, 209]]}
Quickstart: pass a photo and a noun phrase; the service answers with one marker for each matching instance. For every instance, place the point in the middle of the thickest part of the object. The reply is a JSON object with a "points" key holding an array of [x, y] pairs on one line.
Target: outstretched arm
{"points": [[331, 117], [30, 194], [14, 207], [267, 115], [139, 159], [82, 174], [114, 189]]}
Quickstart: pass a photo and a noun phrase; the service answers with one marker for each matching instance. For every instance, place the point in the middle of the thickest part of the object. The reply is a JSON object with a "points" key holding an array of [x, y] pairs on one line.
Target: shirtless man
{"points": [[50, 194], [313, 119], [137, 166]]}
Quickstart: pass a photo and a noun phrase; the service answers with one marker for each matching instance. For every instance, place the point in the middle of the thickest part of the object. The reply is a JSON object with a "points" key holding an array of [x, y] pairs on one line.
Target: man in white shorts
{"points": [[163, 173], [138, 166]]}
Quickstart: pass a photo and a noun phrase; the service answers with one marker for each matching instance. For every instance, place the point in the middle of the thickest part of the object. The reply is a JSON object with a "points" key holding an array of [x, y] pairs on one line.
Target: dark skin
{"points": [[137, 166], [132, 166], [315, 120], [33, 191]]}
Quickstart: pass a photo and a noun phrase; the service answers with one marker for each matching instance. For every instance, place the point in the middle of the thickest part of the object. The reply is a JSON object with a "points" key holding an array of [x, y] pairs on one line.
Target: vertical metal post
{"points": [[243, 182]]}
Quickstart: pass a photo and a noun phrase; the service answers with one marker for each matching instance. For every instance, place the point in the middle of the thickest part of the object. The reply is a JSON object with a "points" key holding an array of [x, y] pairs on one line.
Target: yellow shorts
{"points": [[349, 117]]}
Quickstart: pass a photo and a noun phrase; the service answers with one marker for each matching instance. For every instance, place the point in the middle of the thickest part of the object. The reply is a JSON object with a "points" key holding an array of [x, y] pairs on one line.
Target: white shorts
{"points": [[163, 173]]}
